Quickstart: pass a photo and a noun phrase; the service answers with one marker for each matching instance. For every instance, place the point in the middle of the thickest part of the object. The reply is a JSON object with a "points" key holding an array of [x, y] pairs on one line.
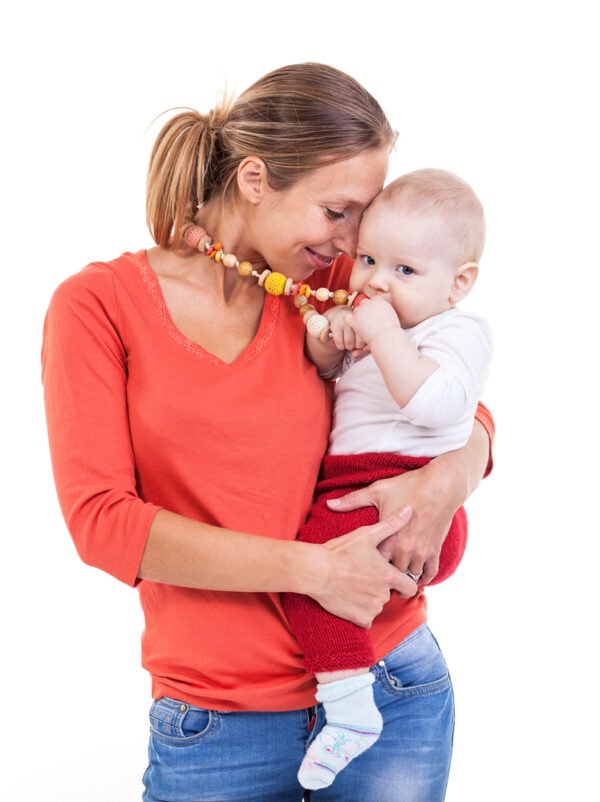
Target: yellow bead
{"points": [[275, 283]]}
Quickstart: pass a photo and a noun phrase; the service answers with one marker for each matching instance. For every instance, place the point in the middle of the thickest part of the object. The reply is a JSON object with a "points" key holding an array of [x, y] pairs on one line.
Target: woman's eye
{"points": [[334, 215], [405, 270]]}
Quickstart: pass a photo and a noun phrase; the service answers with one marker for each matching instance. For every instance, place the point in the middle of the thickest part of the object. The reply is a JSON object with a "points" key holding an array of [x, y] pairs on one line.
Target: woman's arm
{"points": [[434, 492], [347, 576]]}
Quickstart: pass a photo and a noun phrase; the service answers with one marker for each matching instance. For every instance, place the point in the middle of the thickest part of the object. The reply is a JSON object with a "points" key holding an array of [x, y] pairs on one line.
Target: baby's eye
{"points": [[368, 260], [404, 269], [333, 215]]}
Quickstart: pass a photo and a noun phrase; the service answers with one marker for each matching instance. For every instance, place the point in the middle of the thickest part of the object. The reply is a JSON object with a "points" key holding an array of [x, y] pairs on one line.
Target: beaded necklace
{"points": [[276, 283]]}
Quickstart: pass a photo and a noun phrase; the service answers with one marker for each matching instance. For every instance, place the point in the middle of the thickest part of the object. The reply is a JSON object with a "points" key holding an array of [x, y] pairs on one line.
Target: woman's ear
{"points": [[462, 283], [252, 178]]}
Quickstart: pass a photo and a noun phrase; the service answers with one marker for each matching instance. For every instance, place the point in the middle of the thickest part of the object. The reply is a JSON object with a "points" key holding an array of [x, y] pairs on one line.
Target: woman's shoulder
{"points": [[101, 279]]}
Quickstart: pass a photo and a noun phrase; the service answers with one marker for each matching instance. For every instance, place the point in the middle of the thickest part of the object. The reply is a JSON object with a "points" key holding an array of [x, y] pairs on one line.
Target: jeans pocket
{"points": [[179, 724], [415, 667]]}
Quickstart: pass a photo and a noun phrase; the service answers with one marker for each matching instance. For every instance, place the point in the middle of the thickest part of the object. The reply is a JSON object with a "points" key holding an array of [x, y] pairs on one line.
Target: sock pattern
{"points": [[354, 723]]}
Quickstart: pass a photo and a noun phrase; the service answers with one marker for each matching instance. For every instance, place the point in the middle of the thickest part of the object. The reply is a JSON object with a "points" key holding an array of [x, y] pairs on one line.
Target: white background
{"points": [[506, 95]]}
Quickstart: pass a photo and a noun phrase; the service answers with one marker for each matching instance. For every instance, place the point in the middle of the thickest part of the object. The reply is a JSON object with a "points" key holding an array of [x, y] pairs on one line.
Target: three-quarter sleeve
{"points": [[84, 374]]}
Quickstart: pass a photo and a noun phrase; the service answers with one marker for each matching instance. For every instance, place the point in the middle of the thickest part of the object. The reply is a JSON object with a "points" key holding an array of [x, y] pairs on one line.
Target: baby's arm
{"points": [[403, 367]]}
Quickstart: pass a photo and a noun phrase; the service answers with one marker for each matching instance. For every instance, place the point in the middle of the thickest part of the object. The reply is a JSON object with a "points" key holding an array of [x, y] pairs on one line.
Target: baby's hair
{"points": [[434, 191]]}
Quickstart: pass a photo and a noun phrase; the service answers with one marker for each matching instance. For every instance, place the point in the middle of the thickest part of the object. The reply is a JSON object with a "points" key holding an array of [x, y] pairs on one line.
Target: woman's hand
{"points": [[434, 492], [358, 580]]}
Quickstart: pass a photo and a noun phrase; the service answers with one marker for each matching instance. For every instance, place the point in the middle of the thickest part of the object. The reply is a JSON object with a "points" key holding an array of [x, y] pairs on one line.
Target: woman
{"points": [[186, 430]]}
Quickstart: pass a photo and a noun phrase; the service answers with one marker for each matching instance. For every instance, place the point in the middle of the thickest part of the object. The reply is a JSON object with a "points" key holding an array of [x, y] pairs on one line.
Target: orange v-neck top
{"points": [[140, 418]]}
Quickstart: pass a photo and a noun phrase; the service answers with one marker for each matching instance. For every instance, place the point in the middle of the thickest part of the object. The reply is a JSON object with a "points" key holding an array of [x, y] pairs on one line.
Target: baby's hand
{"points": [[372, 317], [344, 337]]}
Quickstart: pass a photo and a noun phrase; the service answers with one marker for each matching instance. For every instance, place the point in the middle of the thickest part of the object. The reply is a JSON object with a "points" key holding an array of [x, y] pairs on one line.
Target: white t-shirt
{"points": [[439, 416]]}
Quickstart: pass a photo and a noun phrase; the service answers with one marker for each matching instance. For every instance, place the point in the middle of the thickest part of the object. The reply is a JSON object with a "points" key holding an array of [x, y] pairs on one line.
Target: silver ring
{"points": [[414, 577]]}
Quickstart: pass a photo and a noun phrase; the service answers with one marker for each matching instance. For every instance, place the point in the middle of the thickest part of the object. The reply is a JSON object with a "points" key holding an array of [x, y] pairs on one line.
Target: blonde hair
{"points": [[296, 119], [433, 191]]}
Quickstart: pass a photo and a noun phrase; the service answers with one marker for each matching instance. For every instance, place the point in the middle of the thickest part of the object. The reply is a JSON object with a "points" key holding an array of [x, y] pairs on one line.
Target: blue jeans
{"points": [[198, 755]]}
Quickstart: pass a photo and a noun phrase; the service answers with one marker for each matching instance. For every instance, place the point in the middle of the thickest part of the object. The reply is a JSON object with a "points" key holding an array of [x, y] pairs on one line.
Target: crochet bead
{"points": [[192, 236], [275, 283], [316, 324]]}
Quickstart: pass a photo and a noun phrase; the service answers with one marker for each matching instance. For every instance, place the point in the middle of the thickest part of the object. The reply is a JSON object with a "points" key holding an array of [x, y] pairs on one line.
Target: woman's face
{"points": [[302, 229]]}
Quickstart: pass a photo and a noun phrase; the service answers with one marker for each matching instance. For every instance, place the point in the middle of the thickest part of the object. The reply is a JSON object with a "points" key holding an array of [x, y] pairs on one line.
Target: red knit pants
{"points": [[330, 643]]}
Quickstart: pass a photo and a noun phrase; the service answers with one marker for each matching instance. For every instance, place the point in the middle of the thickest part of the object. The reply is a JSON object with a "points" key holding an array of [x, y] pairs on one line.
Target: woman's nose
{"points": [[347, 240]]}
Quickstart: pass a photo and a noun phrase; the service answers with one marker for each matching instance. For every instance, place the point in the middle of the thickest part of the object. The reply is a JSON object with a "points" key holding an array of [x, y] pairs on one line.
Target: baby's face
{"points": [[407, 258]]}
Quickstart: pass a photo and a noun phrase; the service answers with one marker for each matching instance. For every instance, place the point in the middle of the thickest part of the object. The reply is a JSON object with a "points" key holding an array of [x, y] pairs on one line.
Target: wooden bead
{"points": [[245, 268], [325, 335], [322, 294], [263, 277], [204, 244], [229, 260], [340, 297]]}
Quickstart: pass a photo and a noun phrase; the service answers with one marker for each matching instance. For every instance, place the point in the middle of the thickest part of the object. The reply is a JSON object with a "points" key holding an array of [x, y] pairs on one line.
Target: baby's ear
{"points": [[462, 283]]}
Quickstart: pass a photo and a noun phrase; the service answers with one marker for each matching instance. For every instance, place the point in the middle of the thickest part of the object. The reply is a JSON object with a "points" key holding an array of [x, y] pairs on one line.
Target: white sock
{"points": [[354, 723]]}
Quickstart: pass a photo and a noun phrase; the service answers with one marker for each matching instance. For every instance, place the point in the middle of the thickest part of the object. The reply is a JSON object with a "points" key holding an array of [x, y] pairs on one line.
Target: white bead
{"points": [[322, 294], [316, 324]]}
